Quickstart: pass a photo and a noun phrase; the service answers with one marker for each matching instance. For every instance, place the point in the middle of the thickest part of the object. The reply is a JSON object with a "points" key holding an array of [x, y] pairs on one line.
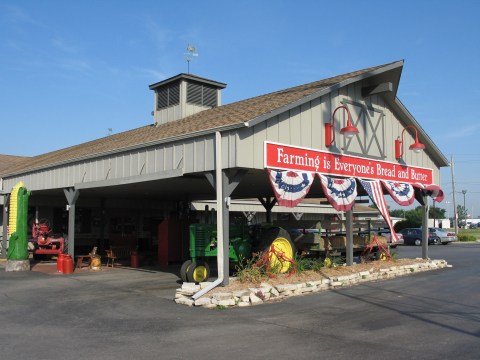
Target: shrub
{"points": [[333, 261], [463, 237], [248, 271], [406, 224], [307, 264]]}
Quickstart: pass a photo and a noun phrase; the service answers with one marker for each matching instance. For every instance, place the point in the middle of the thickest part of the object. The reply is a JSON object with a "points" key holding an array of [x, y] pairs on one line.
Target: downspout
{"points": [[219, 190]]}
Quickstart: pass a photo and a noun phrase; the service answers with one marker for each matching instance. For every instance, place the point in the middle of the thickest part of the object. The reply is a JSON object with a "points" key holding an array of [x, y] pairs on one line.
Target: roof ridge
{"points": [[347, 75]]}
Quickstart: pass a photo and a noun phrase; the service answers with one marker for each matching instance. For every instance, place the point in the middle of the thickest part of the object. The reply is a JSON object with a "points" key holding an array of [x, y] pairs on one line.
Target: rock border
{"points": [[266, 292]]}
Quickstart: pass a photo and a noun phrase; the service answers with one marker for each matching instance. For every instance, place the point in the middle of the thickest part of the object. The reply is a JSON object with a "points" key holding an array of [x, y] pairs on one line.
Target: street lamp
{"points": [[448, 209], [464, 192]]}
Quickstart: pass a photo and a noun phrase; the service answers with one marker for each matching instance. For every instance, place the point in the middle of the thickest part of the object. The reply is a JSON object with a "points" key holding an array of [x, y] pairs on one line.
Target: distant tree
{"points": [[399, 213], [462, 214], [415, 216], [436, 213]]}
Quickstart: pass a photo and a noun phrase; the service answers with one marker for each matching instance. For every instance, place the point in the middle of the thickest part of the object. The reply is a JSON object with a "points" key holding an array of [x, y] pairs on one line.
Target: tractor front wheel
{"points": [[198, 271]]}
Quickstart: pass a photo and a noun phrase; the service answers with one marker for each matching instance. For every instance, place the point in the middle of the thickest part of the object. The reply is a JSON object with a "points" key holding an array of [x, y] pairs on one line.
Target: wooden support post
{"points": [[268, 204], [6, 198], [425, 228], [72, 196], [230, 180], [349, 232]]}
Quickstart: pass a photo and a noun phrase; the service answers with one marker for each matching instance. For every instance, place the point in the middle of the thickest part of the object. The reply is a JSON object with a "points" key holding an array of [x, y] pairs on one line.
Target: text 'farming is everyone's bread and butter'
{"points": [[279, 156]]}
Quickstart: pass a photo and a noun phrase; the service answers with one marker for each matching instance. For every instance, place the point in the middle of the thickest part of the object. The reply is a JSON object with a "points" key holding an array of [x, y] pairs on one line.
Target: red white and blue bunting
{"points": [[432, 190], [290, 187], [402, 193], [375, 192], [341, 193]]}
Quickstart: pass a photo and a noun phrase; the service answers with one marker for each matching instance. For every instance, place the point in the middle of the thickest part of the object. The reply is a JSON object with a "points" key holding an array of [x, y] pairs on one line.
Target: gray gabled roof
{"points": [[191, 77], [7, 161], [239, 114]]}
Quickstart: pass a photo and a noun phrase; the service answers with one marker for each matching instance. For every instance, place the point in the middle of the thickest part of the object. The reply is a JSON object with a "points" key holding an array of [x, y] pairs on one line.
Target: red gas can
{"points": [[60, 258], [134, 259], [67, 264]]}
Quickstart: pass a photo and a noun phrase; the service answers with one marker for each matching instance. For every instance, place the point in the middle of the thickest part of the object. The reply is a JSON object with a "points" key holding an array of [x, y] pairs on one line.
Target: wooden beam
{"points": [[377, 89]]}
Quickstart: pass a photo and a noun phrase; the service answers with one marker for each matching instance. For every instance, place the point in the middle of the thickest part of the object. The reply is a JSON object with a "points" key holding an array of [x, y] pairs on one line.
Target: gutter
{"points": [[220, 240]]}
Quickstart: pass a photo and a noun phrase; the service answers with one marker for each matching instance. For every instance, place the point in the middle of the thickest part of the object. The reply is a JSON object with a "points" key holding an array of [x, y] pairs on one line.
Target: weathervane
{"points": [[191, 52]]}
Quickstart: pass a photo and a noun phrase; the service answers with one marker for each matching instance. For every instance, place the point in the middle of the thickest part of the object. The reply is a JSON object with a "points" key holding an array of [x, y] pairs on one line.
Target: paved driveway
{"points": [[127, 314]]}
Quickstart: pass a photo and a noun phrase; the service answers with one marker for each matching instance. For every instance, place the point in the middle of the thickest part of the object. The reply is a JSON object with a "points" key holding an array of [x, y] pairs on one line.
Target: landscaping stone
{"points": [[203, 301], [205, 284], [254, 299], [226, 302], [184, 301], [267, 291], [274, 292], [241, 293], [245, 298], [191, 287], [286, 287], [222, 296]]}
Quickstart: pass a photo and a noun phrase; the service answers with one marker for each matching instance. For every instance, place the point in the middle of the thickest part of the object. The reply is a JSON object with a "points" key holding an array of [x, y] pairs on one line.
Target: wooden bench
{"points": [[121, 252], [110, 258], [79, 263], [118, 253], [80, 258]]}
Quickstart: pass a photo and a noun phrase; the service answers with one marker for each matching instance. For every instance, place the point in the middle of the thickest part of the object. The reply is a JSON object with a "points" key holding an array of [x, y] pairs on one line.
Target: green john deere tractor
{"points": [[243, 240]]}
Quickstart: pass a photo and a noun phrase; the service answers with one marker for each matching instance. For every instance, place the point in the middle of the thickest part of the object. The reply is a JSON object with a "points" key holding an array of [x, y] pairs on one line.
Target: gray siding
{"points": [[192, 155]]}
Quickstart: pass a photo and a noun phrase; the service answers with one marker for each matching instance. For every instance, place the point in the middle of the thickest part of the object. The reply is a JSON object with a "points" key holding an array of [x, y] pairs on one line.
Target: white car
{"points": [[443, 237]]}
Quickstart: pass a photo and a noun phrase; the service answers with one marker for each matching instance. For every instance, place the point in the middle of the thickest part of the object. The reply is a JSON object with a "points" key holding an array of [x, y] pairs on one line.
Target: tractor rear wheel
{"points": [[280, 240], [198, 271]]}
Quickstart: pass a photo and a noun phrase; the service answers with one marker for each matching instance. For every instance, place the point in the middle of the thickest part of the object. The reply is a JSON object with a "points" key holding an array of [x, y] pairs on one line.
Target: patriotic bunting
{"points": [[402, 193], [375, 192], [290, 187], [433, 191], [341, 193]]}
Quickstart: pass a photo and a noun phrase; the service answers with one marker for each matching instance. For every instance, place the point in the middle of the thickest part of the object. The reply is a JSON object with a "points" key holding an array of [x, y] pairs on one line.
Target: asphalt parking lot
{"points": [[130, 313]]}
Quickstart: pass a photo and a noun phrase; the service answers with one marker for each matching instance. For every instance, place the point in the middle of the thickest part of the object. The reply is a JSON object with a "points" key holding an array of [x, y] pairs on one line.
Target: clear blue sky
{"points": [[70, 70]]}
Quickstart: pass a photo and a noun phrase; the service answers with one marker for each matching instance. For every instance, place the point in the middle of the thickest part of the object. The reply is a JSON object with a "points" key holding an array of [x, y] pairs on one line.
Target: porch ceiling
{"points": [[254, 184]]}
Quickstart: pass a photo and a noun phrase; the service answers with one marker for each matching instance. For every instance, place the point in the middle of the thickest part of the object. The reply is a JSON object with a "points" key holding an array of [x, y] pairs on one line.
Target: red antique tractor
{"points": [[44, 244]]}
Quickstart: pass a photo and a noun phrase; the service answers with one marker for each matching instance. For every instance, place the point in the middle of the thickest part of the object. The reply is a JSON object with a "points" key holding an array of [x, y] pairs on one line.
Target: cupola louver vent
{"points": [[200, 94], [168, 96]]}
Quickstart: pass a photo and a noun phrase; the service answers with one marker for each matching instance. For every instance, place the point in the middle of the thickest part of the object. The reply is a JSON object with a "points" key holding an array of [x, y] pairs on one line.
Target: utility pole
{"points": [[455, 213]]}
